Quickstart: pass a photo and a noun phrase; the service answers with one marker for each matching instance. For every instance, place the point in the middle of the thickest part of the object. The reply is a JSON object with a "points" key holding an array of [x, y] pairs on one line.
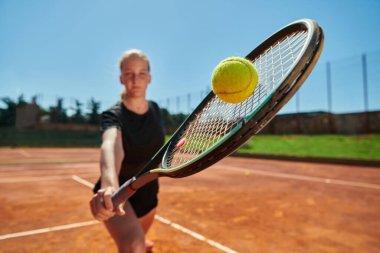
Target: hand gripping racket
{"points": [[216, 129]]}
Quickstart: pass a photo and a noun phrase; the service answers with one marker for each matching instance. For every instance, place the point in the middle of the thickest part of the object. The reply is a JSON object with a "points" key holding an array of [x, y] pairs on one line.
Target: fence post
{"points": [[329, 97], [168, 104], [189, 102], [331, 118], [365, 94]]}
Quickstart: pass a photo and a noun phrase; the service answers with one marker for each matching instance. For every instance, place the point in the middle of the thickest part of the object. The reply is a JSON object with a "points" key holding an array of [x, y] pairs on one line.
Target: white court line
{"points": [[195, 235], [172, 224], [82, 181], [49, 229], [306, 178], [33, 175], [24, 153], [24, 179], [42, 161]]}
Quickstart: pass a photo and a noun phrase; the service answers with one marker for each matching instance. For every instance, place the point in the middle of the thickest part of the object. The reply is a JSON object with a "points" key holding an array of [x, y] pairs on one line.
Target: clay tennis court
{"points": [[237, 205]]}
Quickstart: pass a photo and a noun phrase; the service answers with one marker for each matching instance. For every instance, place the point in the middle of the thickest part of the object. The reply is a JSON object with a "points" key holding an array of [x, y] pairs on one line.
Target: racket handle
{"points": [[124, 192], [130, 187]]}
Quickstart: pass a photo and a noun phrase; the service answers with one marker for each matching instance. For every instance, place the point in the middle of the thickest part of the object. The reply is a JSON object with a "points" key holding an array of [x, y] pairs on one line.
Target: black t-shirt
{"points": [[142, 135]]}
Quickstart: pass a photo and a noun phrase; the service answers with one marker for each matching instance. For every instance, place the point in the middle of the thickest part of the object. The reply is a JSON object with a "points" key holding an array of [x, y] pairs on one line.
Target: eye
{"points": [[128, 74]]}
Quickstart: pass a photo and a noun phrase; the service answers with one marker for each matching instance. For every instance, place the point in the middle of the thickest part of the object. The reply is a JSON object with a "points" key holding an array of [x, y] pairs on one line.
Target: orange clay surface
{"points": [[245, 205]]}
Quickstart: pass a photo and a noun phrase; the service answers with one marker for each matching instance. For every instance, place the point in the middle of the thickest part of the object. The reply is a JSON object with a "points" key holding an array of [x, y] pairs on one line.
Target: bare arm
{"points": [[111, 157]]}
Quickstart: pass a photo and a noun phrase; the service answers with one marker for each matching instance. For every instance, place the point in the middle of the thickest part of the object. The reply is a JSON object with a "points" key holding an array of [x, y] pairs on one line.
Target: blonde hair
{"points": [[133, 53]]}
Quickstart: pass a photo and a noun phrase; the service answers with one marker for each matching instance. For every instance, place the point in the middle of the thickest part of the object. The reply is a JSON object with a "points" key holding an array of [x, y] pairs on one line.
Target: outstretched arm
{"points": [[111, 157]]}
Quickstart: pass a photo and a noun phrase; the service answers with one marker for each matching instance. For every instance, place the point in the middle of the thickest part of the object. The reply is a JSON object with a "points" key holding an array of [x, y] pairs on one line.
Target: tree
{"points": [[93, 116], [171, 121], [21, 101], [8, 115], [58, 113], [78, 115]]}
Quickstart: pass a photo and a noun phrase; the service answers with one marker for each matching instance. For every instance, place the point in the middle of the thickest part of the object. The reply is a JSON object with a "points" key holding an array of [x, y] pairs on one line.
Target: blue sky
{"points": [[70, 48]]}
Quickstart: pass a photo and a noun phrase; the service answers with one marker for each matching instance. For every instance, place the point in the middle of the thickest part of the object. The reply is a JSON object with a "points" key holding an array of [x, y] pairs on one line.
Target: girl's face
{"points": [[135, 77]]}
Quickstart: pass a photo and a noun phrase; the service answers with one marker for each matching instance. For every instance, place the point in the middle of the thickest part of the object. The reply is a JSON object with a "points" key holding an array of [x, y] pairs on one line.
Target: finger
{"points": [[101, 209], [107, 198], [120, 210], [94, 205], [101, 190], [99, 205], [92, 208], [105, 214], [101, 217]]}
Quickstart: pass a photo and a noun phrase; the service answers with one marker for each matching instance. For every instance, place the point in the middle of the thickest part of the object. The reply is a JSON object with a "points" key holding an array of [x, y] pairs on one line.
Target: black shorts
{"points": [[144, 199]]}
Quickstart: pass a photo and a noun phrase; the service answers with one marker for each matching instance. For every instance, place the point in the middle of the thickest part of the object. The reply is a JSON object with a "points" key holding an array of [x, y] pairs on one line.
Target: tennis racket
{"points": [[216, 129]]}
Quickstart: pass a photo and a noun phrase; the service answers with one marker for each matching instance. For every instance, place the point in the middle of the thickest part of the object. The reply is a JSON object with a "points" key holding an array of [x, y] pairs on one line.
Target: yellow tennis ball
{"points": [[234, 79]]}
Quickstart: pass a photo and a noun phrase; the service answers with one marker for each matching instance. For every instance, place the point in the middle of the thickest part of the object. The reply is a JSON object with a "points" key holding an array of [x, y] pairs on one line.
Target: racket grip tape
{"points": [[123, 193]]}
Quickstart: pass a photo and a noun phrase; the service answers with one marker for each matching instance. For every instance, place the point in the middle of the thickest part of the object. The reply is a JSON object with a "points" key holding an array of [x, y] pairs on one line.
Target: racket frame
{"points": [[247, 127], [262, 115]]}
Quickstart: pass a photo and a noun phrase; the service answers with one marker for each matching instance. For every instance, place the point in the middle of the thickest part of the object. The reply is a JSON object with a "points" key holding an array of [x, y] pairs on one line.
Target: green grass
{"points": [[365, 147]]}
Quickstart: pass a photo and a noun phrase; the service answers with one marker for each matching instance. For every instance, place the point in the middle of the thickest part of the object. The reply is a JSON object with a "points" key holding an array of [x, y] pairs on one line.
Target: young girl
{"points": [[131, 134]]}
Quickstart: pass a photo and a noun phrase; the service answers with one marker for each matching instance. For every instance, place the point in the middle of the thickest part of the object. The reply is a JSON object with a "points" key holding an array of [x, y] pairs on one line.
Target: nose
{"points": [[134, 78]]}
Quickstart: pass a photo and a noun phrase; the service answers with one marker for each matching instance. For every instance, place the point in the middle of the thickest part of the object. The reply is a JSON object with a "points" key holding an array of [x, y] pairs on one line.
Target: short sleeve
{"points": [[156, 110], [109, 119]]}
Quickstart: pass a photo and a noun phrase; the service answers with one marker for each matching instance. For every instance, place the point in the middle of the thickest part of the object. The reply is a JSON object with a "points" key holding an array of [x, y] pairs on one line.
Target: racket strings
{"points": [[218, 118], [275, 63]]}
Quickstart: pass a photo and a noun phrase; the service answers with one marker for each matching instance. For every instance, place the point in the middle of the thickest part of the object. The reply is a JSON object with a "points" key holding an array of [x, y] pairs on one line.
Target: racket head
{"points": [[216, 129]]}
